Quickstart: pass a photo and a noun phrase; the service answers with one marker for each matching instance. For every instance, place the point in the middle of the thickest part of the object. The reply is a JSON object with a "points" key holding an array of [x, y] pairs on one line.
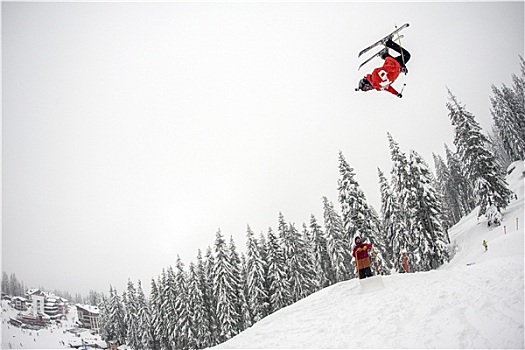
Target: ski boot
{"points": [[384, 53]]}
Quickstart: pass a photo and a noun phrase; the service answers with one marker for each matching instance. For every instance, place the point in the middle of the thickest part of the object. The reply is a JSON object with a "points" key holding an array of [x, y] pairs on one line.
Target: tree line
{"points": [[11, 285], [226, 291]]}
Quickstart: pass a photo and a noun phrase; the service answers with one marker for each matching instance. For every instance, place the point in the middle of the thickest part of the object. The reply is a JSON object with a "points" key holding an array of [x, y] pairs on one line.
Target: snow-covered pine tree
{"points": [[460, 186], [133, 332], [433, 240], [261, 243], [246, 311], [199, 335], [206, 334], [192, 309], [263, 252], [337, 247], [282, 229], [160, 316], [355, 210], [5, 283], [321, 260], [378, 239], [497, 148], [117, 317], [493, 216], [508, 121], [11, 286], [313, 282], [450, 206], [257, 296], [482, 168], [224, 287], [279, 291], [106, 329], [182, 328], [299, 270], [209, 280], [93, 298], [144, 319], [304, 258], [156, 315], [169, 296], [508, 112], [294, 269], [238, 287], [394, 227], [519, 90], [400, 179], [402, 190]]}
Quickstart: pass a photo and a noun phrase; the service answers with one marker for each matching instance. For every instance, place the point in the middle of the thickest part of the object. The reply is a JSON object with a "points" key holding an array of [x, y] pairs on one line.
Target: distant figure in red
{"points": [[362, 259], [383, 77]]}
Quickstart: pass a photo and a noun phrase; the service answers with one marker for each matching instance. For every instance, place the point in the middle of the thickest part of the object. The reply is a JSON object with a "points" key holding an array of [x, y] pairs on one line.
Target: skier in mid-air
{"points": [[383, 77], [362, 259]]}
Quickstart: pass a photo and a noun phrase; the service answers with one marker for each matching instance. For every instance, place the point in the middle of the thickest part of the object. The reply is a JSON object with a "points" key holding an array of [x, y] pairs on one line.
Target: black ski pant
{"points": [[404, 54], [364, 273]]}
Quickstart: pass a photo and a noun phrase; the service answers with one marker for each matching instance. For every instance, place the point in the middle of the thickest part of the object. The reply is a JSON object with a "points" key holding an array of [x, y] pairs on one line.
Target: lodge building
{"points": [[88, 317]]}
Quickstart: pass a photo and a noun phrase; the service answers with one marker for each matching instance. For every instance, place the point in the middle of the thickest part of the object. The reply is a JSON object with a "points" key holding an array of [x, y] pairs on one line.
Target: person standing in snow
{"points": [[485, 245], [362, 259], [382, 78]]}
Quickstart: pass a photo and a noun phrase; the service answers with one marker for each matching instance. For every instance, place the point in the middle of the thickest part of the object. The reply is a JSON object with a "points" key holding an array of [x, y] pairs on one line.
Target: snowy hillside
{"points": [[475, 301]]}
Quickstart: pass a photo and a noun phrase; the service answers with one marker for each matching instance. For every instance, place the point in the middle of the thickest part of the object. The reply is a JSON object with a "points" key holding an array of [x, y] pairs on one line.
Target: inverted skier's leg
{"points": [[404, 54]]}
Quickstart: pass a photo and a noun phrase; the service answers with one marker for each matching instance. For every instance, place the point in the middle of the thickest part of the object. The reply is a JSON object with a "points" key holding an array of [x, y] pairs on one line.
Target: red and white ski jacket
{"points": [[382, 78]]}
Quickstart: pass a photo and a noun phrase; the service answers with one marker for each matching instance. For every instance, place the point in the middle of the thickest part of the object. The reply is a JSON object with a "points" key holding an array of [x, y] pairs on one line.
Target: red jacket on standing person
{"points": [[360, 254]]}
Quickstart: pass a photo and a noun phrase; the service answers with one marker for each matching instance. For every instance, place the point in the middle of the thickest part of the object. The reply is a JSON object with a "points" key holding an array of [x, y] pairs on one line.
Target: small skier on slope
{"points": [[362, 259], [383, 77]]}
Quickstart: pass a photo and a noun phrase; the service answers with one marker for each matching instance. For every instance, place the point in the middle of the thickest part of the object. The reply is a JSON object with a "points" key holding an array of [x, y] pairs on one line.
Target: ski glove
{"points": [[399, 95]]}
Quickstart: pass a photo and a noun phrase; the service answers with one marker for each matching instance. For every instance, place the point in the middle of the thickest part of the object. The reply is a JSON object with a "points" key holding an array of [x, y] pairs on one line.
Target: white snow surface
{"points": [[474, 301], [54, 337]]}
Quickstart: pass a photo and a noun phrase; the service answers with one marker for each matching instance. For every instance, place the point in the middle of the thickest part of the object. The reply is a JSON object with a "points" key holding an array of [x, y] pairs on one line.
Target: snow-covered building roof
{"points": [[22, 299], [34, 291], [88, 308]]}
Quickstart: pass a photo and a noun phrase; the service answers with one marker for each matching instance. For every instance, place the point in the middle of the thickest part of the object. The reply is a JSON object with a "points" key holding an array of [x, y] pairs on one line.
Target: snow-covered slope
{"points": [[475, 301], [54, 337]]}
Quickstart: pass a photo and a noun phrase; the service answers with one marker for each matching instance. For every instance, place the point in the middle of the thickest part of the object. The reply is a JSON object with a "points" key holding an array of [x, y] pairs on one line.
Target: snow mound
{"points": [[475, 301]]}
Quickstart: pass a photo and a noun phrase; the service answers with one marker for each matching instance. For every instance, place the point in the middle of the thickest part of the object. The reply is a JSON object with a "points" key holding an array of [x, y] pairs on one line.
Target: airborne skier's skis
{"points": [[383, 40], [371, 58], [381, 78], [379, 53]]}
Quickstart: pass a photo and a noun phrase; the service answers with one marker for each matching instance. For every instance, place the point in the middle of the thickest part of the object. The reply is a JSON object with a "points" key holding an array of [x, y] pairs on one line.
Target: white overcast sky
{"points": [[132, 132]]}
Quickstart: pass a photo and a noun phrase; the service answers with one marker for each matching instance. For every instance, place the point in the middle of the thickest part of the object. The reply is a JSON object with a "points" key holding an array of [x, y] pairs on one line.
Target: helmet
{"points": [[364, 85]]}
